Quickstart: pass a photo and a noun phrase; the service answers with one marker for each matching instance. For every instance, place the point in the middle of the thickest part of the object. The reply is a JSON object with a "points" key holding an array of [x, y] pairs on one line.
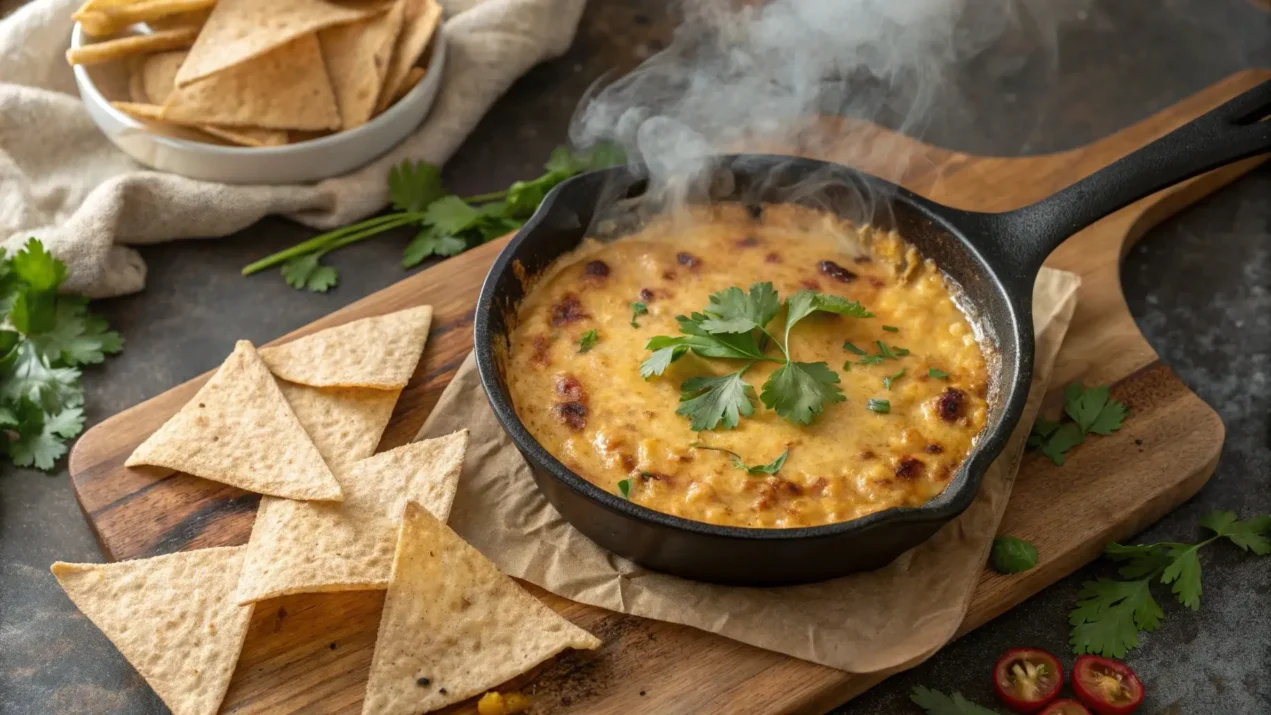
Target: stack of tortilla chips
{"points": [[260, 73], [299, 423]]}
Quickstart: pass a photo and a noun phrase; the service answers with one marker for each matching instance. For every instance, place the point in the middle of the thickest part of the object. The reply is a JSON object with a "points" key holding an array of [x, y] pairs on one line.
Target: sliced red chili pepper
{"points": [[1027, 678], [1108, 686], [1067, 706]]}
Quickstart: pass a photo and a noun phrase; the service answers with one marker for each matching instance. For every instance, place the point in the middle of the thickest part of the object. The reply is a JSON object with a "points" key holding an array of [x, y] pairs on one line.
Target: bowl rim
{"points": [[957, 496], [376, 123]]}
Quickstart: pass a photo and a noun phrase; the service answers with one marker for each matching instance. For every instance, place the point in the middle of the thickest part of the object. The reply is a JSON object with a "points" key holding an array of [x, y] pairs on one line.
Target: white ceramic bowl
{"points": [[302, 162]]}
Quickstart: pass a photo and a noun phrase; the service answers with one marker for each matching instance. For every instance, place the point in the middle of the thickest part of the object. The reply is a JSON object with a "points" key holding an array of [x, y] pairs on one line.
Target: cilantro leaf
{"points": [[1064, 438], [624, 488], [587, 341], [871, 360], [76, 337], [1110, 418], [37, 268], [431, 242], [886, 352], [638, 309], [848, 346], [798, 391], [9, 285], [412, 186], [1249, 535], [33, 378], [40, 442], [708, 401], [308, 273], [733, 311], [451, 215], [770, 468], [1144, 559], [806, 302], [1109, 615], [1042, 429], [740, 346], [882, 407], [1084, 406], [935, 702], [1184, 572], [662, 357], [937, 374], [1013, 555]]}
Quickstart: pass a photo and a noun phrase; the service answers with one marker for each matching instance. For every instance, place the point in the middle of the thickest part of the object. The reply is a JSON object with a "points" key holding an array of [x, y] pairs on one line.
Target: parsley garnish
{"points": [[447, 224], [848, 346], [938, 374], [770, 468], [587, 340], [884, 351], [1013, 555], [735, 325], [1091, 411], [624, 488], [935, 702], [638, 309], [887, 381], [882, 407], [1110, 613], [891, 328], [44, 339]]}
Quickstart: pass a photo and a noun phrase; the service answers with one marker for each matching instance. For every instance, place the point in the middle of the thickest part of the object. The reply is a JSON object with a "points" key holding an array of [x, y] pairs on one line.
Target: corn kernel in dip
{"points": [[896, 440]]}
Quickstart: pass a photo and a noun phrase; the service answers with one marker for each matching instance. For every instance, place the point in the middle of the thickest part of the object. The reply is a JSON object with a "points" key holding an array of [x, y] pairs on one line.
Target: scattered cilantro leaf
{"points": [[431, 242], [886, 352], [708, 401], [770, 468], [937, 374], [638, 309], [887, 381], [1083, 406], [1064, 438], [935, 702], [798, 391], [1249, 535], [882, 407], [847, 366], [587, 340], [806, 302], [891, 328], [1013, 555], [307, 273], [1110, 614], [734, 311], [414, 185], [848, 346], [33, 377], [624, 488], [1141, 559], [451, 215], [1183, 572], [1091, 411]]}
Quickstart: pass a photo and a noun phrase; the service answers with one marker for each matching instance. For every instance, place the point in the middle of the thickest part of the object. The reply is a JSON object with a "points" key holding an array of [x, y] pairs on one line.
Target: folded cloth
{"points": [[63, 182]]}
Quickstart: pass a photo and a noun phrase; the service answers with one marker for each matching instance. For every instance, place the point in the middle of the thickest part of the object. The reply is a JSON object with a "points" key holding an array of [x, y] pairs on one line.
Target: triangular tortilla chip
{"points": [[239, 30], [306, 547], [286, 88], [418, 25], [158, 75], [453, 626], [379, 352], [412, 78], [345, 423], [239, 430], [172, 617], [357, 56]]}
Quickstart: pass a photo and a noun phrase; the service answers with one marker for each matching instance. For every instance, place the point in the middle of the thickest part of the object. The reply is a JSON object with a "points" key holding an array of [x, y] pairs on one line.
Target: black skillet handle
{"points": [[1229, 133]]}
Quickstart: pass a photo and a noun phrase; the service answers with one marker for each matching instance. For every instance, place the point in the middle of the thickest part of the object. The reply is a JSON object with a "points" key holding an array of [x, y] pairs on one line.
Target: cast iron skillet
{"points": [[994, 257]]}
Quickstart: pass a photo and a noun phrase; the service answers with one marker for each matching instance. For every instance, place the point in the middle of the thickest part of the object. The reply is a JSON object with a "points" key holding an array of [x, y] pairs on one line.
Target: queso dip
{"points": [[584, 400]]}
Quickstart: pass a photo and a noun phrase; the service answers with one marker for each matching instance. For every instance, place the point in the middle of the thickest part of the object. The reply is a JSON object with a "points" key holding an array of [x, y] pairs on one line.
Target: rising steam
{"points": [[743, 75]]}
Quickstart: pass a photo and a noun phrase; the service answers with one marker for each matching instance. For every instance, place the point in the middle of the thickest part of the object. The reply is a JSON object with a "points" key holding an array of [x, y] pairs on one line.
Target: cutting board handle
{"points": [[1226, 134]]}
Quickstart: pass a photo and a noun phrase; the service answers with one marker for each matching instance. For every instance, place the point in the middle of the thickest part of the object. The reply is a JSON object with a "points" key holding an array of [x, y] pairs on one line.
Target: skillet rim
{"points": [[956, 497]]}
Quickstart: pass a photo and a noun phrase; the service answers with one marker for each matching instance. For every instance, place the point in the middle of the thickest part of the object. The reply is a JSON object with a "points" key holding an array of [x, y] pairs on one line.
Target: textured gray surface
{"points": [[1200, 287]]}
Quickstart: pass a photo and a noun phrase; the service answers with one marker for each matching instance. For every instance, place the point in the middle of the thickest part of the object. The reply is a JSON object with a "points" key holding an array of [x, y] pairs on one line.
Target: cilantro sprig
{"points": [[1110, 613], [734, 325], [770, 468], [1090, 411], [935, 702], [44, 339], [448, 225]]}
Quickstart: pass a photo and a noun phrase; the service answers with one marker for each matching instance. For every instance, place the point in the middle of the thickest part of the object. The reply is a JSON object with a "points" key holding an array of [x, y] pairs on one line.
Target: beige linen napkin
{"points": [[63, 182], [885, 620]]}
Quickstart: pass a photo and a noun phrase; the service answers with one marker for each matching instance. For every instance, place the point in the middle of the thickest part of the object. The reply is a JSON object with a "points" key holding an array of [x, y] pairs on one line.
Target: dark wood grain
{"points": [[310, 653]]}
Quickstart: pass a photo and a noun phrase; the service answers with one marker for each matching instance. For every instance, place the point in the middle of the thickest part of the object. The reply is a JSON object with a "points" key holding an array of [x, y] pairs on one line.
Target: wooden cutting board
{"points": [[311, 653]]}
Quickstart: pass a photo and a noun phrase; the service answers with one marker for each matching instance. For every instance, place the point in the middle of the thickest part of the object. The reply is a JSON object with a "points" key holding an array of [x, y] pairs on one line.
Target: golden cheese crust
{"points": [[594, 412]]}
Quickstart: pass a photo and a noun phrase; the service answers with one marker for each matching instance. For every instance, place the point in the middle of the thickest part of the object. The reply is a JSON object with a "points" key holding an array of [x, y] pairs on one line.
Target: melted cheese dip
{"points": [[594, 412]]}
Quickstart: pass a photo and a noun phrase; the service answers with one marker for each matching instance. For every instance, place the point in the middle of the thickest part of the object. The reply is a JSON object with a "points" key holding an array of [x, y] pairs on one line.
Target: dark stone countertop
{"points": [[1199, 286]]}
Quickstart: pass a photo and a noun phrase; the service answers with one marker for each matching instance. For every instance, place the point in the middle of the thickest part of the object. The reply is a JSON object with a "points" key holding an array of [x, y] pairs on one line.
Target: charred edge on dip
{"points": [[837, 272], [568, 310], [810, 284], [949, 404], [748, 242], [908, 468], [933, 449], [862, 259], [755, 211], [569, 388], [772, 258], [573, 414], [646, 295], [598, 269], [541, 345], [687, 259]]}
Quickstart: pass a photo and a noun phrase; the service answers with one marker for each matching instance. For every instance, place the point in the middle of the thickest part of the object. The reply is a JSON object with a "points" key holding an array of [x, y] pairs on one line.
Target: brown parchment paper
{"points": [[884, 620]]}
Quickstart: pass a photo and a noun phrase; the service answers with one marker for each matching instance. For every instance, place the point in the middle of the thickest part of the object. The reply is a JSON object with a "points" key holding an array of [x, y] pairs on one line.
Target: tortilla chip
{"points": [[420, 22], [379, 352], [452, 621], [136, 83], [108, 18], [158, 74], [131, 45], [239, 430], [172, 617], [139, 110], [357, 56], [247, 136], [243, 136], [306, 547], [239, 30], [345, 423], [182, 19], [412, 78], [286, 88]]}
